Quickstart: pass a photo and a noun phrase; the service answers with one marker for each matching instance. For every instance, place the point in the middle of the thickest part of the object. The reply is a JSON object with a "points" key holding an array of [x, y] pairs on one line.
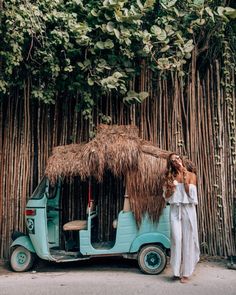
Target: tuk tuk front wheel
{"points": [[152, 259], [21, 259]]}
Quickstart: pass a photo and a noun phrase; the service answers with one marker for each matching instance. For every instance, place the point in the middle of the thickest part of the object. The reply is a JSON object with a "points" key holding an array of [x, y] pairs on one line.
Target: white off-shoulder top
{"points": [[180, 195]]}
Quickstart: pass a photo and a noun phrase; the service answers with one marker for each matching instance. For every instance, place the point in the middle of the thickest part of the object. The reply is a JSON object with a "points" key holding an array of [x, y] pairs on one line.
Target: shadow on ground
{"points": [[101, 263]]}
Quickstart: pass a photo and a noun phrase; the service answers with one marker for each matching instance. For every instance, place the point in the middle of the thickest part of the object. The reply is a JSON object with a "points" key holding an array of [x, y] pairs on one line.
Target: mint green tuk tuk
{"points": [[149, 243]]}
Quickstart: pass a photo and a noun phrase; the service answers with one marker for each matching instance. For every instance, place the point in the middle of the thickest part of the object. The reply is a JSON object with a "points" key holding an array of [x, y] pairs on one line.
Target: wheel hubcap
{"points": [[21, 258], [152, 260]]}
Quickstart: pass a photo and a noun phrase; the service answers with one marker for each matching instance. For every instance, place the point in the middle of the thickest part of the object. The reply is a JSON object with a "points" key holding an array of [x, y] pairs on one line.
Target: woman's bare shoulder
{"points": [[192, 178]]}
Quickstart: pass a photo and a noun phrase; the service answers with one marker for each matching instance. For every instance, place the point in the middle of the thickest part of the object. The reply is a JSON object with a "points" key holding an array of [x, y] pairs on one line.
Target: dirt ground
{"points": [[116, 276]]}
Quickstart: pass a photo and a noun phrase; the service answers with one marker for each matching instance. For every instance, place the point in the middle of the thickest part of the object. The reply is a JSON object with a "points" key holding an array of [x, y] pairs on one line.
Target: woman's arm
{"points": [[188, 178]]}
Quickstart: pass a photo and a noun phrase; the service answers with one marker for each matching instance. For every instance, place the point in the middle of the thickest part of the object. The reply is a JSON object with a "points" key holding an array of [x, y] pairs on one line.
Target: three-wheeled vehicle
{"points": [[148, 243]]}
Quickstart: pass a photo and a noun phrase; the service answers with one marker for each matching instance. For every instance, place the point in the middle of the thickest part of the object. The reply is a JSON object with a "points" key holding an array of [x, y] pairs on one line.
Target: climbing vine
{"points": [[91, 48]]}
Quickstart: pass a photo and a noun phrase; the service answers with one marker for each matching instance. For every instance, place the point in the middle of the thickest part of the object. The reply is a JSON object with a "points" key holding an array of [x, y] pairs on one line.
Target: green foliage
{"points": [[134, 97], [94, 47]]}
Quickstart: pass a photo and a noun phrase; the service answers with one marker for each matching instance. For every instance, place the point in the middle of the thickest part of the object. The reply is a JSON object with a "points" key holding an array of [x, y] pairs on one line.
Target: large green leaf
{"points": [[100, 45], [140, 5], [110, 26], [149, 3], [165, 48], [159, 33], [135, 97], [108, 44], [188, 47], [209, 11], [230, 12], [168, 3], [198, 2], [117, 33]]}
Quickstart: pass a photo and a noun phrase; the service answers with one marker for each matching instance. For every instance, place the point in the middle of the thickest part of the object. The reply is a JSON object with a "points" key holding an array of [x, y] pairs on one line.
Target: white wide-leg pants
{"points": [[184, 239]]}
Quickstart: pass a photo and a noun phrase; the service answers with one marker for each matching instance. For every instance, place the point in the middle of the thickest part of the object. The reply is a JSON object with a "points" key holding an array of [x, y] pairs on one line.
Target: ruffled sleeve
{"points": [[193, 194]]}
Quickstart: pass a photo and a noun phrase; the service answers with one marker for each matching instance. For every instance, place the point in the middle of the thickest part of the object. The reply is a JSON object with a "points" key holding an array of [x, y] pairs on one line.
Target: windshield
{"points": [[40, 190], [53, 190]]}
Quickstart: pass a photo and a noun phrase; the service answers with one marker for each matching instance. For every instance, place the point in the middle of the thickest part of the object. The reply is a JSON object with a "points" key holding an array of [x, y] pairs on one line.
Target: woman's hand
{"points": [[175, 182]]}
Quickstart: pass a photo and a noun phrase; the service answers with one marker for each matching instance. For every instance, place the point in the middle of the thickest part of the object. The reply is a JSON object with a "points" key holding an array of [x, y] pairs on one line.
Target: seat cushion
{"points": [[75, 225]]}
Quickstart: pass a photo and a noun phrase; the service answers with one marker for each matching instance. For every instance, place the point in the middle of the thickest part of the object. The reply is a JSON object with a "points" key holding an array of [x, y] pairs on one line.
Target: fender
{"points": [[149, 238], [25, 242]]}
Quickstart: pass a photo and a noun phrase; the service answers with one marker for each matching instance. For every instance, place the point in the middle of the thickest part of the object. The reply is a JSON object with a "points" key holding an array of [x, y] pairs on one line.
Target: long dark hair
{"points": [[170, 173]]}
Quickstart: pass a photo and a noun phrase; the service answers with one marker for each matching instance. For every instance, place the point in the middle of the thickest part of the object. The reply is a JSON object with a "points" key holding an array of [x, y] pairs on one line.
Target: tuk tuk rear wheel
{"points": [[21, 259], [152, 259]]}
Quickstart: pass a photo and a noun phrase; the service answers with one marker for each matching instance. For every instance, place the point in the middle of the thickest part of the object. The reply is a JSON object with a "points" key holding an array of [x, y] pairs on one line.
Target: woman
{"points": [[181, 193]]}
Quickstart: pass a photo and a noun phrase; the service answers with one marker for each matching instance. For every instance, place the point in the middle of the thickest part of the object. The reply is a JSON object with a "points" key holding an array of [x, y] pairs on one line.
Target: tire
{"points": [[152, 259], [21, 259]]}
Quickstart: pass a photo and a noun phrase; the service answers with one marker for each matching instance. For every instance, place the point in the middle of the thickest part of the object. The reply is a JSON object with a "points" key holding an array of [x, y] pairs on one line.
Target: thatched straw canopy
{"points": [[120, 150]]}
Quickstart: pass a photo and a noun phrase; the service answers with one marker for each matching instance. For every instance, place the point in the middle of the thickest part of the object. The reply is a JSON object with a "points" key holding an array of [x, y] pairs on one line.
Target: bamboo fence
{"points": [[193, 119]]}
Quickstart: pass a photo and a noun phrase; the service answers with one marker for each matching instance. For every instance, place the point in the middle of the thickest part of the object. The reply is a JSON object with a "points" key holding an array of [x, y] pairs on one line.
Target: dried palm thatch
{"points": [[120, 150]]}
